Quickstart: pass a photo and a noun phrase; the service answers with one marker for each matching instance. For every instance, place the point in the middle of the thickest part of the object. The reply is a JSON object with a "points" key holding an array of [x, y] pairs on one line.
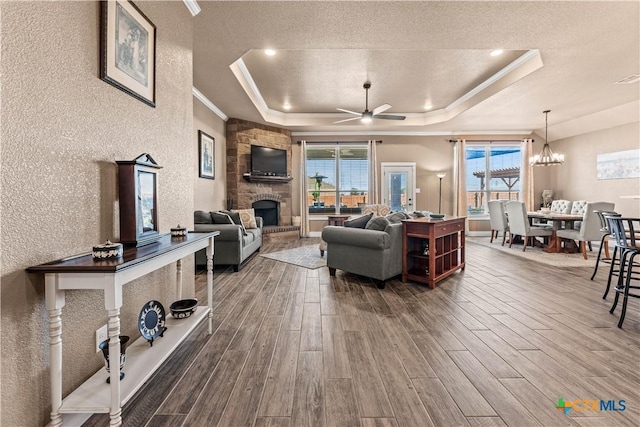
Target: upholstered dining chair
{"points": [[498, 220], [519, 224], [561, 206], [589, 228]]}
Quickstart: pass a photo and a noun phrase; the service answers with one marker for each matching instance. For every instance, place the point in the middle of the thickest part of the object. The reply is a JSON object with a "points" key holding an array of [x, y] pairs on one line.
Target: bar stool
{"points": [[628, 248], [604, 242]]}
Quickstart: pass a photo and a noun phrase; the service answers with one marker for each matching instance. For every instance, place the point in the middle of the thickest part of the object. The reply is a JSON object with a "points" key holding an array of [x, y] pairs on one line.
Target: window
{"points": [[492, 172], [337, 179]]}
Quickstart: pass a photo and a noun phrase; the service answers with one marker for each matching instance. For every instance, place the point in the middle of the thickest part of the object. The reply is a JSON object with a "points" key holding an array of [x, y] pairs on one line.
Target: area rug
{"points": [[538, 255], [304, 256]]}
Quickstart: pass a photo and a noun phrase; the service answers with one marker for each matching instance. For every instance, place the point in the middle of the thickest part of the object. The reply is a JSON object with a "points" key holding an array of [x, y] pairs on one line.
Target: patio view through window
{"points": [[337, 179], [492, 172]]}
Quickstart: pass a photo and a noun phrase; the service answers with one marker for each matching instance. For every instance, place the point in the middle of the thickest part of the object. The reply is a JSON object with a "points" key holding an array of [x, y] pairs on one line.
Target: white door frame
{"points": [[410, 169]]}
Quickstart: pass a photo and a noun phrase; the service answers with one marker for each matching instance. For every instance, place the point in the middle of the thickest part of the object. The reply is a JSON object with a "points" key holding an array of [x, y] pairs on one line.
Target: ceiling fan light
{"points": [[366, 119]]}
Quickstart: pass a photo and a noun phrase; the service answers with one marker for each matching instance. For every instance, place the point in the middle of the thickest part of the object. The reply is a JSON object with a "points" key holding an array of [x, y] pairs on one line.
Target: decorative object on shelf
{"points": [[546, 156], [128, 50], [183, 308], [440, 175], [436, 216], [151, 321], [206, 144], [107, 250], [138, 188], [104, 346], [425, 248], [179, 231]]}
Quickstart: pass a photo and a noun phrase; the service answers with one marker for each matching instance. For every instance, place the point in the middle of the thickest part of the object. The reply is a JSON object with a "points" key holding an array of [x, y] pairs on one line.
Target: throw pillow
{"points": [[360, 222], [383, 210], [202, 217], [235, 217], [377, 223], [221, 218], [248, 217], [396, 217]]}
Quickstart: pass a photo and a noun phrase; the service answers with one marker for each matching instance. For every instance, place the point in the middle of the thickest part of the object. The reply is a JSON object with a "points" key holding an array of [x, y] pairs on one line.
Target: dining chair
{"points": [[628, 248], [604, 242], [589, 228], [561, 206], [498, 220], [519, 224]]}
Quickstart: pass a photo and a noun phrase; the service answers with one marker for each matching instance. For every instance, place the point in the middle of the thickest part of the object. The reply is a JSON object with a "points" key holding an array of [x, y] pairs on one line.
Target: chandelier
{"points": [[546, 156]]}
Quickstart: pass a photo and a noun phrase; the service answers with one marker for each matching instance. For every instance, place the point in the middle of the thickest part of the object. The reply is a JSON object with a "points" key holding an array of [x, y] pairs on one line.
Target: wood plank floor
{"points": [[497, 344]]}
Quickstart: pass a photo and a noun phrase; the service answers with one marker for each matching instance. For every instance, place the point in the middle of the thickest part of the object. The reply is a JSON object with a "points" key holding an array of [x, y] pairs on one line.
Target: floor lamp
{"points": [[440, 175]]}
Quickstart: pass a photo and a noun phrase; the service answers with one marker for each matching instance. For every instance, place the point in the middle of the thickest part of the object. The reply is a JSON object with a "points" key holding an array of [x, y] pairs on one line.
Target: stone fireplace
{"points": [[269, 198]]}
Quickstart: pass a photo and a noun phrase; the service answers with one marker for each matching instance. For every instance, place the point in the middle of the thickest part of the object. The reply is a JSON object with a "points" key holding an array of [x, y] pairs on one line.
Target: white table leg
{"points": [[210, 283], [114, 367], [55, 302], [179, 279]]}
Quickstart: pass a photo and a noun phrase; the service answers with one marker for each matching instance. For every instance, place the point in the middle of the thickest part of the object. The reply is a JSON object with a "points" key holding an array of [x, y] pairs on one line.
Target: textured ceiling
{"points": [[416, 53]]}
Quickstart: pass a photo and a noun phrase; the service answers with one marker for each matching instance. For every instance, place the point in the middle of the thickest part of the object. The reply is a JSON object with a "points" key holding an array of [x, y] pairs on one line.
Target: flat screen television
{"points": [[267, 161]]}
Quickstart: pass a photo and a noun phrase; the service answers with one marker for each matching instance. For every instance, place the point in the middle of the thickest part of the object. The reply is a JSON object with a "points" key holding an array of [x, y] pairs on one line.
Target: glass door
{"points": [[398, 186]]}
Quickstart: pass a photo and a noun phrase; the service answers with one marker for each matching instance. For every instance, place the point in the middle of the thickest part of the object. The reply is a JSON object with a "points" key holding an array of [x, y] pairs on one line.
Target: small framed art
{"points": [[206, 145], [128, 50]]}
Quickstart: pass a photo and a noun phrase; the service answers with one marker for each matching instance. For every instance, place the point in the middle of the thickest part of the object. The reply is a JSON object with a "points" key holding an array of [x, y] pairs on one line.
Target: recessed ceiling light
{"points": [[287, 106], [269, 52], [496, 52]]}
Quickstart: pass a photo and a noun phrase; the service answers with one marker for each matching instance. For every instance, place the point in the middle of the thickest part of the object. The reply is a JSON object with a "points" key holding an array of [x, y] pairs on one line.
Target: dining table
{"points": [[556, 219]]}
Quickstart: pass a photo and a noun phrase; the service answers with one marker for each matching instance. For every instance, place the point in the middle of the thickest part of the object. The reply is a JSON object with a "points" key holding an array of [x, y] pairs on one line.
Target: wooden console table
{"points": [[82, 272], [432, 249]]}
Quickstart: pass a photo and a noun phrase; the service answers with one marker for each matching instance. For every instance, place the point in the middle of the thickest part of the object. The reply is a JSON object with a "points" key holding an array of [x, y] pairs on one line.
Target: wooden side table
{"points": [[332, 220], [337, 219]]}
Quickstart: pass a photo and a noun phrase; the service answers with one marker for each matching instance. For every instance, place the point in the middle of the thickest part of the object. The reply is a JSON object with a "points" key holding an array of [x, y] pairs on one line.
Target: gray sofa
{"points": [[231, 247], [370, 253]]}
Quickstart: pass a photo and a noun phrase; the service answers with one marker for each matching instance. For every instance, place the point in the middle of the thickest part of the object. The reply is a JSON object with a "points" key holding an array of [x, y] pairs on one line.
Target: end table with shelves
{"points": [[432, 249], [82, 272]]}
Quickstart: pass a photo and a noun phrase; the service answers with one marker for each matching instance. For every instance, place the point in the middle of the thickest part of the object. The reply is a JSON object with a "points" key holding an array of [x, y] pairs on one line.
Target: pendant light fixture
{"points": [[546, 156]]}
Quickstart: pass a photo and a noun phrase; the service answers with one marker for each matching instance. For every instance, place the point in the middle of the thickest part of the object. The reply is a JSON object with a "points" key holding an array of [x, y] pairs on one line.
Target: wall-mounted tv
{"points": [[267, 161]]}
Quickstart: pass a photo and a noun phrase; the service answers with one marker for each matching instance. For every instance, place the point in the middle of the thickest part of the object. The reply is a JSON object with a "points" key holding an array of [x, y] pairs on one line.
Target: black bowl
{"points": [[183, 308]]}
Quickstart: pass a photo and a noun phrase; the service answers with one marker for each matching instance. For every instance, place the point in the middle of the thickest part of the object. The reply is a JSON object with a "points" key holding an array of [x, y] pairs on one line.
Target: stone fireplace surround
{"points": [[241, 135]]}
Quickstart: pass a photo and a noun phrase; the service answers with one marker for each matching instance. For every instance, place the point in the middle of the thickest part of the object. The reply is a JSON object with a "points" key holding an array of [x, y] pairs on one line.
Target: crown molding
{"points": [[414, 133], [193, 6], [210, 105]]}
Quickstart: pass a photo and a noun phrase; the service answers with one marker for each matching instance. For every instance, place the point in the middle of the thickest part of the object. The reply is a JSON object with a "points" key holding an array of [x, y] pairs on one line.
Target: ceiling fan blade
{"points": [[349, 111], [347, 120], [381, 109], [389, 117]]}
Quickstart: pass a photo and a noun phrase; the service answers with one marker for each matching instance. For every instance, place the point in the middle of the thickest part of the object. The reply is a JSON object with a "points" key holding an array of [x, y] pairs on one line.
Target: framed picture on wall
{"points": [[128, 50], [206, 147]]}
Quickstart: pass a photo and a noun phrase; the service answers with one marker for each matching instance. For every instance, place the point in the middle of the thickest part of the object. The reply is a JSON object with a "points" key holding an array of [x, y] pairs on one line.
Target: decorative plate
{"points": [[151, 321]]}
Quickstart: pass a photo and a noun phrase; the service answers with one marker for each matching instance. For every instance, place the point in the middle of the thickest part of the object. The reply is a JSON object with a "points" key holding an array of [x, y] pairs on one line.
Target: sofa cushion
{"points": [[359, 222], [397, 217], [235, 217], [377, 223], [202, 217], [248, 217], [221, 218]]}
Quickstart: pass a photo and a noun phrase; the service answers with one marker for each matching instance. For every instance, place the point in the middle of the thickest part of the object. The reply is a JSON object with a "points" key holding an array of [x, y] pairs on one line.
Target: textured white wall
{"points": [[62, 130], [210, 195], [577, 178]]}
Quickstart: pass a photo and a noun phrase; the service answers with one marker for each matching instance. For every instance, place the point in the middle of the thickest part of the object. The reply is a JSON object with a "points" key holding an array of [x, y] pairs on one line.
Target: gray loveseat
{"points": [[232, 247], [371, 253]]}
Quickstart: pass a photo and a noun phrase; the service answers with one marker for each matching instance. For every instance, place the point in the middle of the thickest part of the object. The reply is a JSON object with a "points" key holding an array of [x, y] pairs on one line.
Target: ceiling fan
{"points": [[366, 116]]}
